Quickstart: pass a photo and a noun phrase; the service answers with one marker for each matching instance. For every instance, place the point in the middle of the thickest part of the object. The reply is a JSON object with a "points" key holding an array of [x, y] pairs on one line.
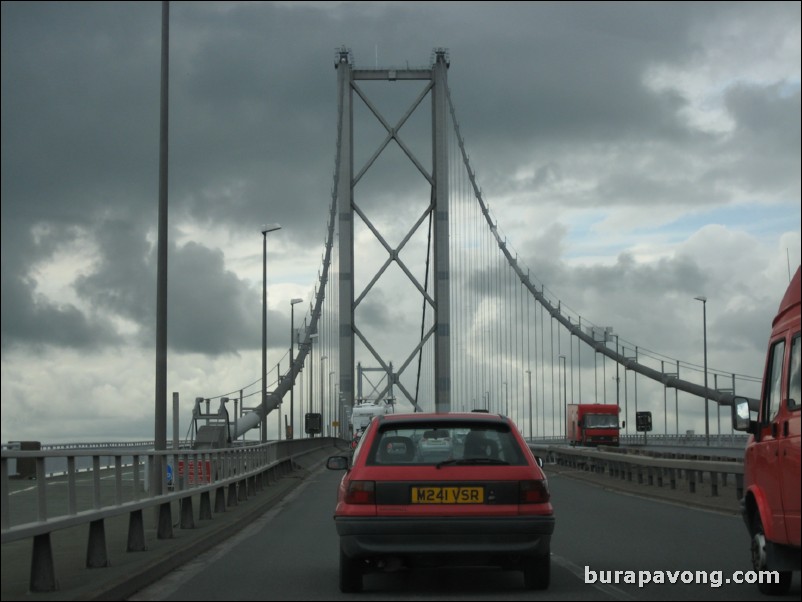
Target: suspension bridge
{"points": [[465, 323], [424, 300]]}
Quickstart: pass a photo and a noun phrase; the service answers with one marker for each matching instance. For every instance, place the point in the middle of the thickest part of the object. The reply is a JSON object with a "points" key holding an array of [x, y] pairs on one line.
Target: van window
{"points": [[773, 393], [794, 376]]}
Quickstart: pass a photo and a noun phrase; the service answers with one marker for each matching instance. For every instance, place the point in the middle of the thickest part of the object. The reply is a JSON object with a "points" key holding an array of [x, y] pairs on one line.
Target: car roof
{"points": [[432, 417]]}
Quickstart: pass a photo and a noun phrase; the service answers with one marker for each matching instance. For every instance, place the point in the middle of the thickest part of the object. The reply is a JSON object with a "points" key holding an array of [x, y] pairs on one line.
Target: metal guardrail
{"points": [[630, 465], [732, 441], [102, 493], [15, 445]]}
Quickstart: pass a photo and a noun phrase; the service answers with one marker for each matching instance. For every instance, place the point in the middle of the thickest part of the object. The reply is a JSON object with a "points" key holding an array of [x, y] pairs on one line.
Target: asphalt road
{"points": [[291, 553]]}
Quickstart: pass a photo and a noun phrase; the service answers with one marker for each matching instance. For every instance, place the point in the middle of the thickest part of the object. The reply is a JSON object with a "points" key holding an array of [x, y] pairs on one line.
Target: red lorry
{"points": [[771, 502], [592, 424]]}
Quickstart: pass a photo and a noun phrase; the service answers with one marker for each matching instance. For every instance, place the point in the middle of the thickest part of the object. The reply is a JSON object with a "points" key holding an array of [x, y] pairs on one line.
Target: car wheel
{"points": [[537, 572], [759, 563], [350, 574]]}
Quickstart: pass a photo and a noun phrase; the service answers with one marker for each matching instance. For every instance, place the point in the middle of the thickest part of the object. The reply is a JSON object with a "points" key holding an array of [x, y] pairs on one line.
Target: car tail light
{"points": [[533, 492], [361, 492]]}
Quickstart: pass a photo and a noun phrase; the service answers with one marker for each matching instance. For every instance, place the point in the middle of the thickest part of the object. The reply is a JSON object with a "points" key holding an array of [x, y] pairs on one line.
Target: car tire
{"points": [[537, 572], [350, 574], [758, 550]]}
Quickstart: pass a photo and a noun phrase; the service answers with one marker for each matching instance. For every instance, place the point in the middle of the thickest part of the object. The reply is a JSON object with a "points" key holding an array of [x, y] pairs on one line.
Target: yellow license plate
{"points": [[448, 495]]}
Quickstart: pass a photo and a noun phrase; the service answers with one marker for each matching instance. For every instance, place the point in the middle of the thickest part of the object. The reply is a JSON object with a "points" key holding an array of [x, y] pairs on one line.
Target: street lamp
{"points": [[293, 303], [265, 230], [312, 338], [322, 413], [529, 374], [565, 392], [332, 408], [707, 410]]}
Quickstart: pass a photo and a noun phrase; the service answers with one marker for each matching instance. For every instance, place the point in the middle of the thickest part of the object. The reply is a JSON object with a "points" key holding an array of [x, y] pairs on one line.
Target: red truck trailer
{"points": [[592, 424], [771, 502]]}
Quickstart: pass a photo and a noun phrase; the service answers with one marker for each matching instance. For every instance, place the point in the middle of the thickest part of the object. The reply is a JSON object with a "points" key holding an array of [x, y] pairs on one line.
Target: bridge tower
{"points": [[437, 212]]}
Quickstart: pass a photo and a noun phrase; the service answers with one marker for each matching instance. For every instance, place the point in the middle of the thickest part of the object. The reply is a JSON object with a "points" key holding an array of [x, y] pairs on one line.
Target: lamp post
{"points": [[293, 303], [506, 400], [707, 409], [265, 230], [617, 379], [322, 413], [341, 417], [312, 338], [332, 408], [565, 391], [529, 374]]}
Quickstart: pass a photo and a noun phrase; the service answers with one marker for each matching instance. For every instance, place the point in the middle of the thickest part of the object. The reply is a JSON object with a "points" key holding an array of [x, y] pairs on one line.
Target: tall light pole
{"points": [[506, 400], [529, 374], [293, 303], [322, 413], [312, 338], [565, 392], [617, 379], [265, 230], [707, 409], [341, 418], [332, 408]]}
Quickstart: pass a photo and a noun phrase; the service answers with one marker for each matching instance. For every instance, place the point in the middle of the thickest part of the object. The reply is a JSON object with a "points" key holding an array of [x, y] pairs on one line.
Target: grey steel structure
{"points": [[347, 78]]}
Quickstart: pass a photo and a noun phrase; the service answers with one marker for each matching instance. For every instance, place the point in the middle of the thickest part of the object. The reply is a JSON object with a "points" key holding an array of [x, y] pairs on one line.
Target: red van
{"points": [[771, 503]]}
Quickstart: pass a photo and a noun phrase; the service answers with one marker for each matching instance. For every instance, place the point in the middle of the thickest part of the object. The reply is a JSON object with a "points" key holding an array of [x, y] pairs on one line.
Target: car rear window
{"points": [[425, 443]]}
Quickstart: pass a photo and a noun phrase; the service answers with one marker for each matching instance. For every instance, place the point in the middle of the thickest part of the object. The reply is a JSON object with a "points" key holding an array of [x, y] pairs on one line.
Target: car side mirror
{"points": [[337, 463], [539, 461], [741, 419]]}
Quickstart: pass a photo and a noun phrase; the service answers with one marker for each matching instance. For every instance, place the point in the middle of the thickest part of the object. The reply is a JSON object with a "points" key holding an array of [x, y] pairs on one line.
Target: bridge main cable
{"points": [[669, 380]]}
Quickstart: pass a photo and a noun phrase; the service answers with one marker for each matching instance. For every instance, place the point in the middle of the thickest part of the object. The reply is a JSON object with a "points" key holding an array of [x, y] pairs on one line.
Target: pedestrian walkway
{"points": [[130, 571]]}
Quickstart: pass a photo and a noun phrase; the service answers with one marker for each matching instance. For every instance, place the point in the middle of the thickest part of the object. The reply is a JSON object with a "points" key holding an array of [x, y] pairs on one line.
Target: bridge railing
{"points": [[35, 508], [645, 468], [723, 441]]}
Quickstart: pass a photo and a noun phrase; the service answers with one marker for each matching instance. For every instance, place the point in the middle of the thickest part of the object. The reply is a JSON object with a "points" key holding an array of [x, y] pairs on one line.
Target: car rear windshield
{"points": [[450, 442]]}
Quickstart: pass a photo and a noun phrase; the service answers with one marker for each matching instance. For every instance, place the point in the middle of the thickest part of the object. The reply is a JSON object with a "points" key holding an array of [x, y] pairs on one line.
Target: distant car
{"points": [[486, 504], [435, 444]]}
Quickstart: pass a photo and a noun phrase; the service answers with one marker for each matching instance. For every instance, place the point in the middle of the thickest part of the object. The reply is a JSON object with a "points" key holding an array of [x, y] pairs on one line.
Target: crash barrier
{"points": [[649, 467], [689, 439], [219, 477]]}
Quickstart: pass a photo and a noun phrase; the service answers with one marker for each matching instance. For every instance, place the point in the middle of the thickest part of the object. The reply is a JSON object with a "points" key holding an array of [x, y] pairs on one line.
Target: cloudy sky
{"points": [[641, 153]]}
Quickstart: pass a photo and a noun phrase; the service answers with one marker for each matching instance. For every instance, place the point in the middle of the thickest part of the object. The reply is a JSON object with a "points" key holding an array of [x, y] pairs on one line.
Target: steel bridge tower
{"points": [[437, 177]]}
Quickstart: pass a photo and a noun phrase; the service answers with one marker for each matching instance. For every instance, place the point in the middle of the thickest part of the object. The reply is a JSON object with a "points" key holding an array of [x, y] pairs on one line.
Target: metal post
{"points": [[565, 393], [311, 409], [704, 327], [321, 397], [262, 425], [617, 379], [529, 374], [263, 422], [293, 302], [332, 407], [160, 434]]}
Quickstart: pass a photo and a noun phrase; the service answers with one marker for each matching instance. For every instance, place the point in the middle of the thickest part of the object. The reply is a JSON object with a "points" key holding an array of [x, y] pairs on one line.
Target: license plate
{"points": [[448, 495]]}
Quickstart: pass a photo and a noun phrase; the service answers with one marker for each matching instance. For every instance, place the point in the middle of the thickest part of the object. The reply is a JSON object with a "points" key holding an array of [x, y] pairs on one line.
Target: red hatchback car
{"points": [[404, 501]]}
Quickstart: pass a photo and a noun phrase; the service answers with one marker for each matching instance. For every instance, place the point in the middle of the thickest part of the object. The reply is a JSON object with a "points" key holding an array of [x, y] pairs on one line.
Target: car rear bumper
{"points": [[371, 537]]}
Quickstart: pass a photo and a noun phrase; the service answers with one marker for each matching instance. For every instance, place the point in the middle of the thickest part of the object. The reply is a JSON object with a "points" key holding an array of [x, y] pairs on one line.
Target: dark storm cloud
{"points": [[252, 125], [210, 310], [768, 126]]}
